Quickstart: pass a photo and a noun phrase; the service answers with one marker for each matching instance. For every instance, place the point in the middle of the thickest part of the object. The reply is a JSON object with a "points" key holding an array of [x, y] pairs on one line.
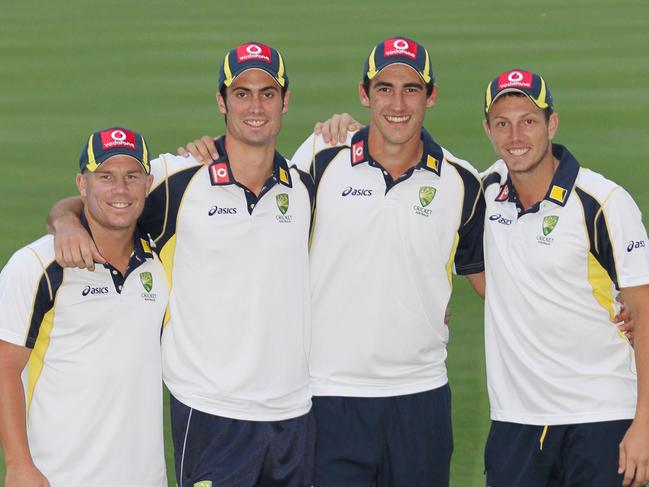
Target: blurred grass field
{"points": [[68, 68]]}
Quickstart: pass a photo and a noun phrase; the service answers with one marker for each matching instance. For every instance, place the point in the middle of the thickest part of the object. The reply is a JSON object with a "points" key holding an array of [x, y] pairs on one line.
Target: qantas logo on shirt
{"points": [[349, 191], [94, 290], [635, 244]]}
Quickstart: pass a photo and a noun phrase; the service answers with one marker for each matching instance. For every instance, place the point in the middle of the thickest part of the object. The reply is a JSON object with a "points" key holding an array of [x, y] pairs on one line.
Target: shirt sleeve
{"points": [[624, 238], [25, 297]]}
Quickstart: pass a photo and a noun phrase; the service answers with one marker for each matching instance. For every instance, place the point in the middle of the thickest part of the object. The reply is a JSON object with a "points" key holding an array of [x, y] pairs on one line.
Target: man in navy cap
{"points": [[233, 236], [88, 410], [569, 395]]}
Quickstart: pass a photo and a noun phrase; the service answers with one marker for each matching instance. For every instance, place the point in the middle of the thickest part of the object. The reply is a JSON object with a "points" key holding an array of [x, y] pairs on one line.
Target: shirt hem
{"points": [[561, 419], [259, 415], [364, 390]]}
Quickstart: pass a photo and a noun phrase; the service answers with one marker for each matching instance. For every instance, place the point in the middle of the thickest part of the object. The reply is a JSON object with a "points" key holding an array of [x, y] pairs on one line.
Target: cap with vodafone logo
{"points": [[399, 50], [527, 83], [252, 55], [104, 144]]}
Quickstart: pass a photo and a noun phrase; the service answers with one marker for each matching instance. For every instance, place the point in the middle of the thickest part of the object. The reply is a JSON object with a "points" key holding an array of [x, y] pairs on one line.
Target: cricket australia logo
{"points": [[426, 196], [146, 278], [282, 204], [549, 224]]}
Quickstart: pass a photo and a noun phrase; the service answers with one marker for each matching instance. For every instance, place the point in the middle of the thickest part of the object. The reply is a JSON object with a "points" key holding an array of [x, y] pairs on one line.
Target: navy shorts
{"points": [[235, 453], [576, 455], [400, 441]]}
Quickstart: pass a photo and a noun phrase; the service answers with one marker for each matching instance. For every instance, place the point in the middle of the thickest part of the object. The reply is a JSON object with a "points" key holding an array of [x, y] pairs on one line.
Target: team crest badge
{"points": [[426, 195], [147, 281], [282, 202], [549, 222]]}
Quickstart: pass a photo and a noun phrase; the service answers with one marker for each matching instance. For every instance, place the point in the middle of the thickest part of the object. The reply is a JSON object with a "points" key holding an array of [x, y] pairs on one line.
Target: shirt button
{"points": [[252, 205], [119, 288], [385, 173], [114, 272]]}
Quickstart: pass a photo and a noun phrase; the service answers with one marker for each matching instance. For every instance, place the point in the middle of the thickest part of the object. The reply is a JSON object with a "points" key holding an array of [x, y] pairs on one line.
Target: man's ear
{"points": [[221, 103], [364, 97], [82, 186]]}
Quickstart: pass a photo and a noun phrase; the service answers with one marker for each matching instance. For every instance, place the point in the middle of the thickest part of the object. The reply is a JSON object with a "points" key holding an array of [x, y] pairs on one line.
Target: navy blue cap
{"points": [[107, 143], [252, 55], [399, 50], [529, 84]]}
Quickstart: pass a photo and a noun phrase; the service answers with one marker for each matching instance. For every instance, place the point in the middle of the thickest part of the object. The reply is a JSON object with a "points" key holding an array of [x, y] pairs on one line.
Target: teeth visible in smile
{"points": [[256, 123], [120, 205], [394, 119], [518, 152]]}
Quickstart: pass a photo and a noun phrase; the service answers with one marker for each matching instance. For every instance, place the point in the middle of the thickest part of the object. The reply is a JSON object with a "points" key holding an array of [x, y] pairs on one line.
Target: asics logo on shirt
{"points": [[218, 210], [94, 290], [500, 219], [635, 245], [349, 191]]}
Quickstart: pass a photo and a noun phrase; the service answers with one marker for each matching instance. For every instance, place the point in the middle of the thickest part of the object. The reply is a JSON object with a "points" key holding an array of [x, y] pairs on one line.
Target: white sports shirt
{"points": [[93, 382], [235, 343], [553, 354], [382, 257]]}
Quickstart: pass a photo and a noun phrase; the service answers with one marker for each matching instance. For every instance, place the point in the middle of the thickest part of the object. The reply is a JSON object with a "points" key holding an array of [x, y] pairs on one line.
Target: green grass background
{"points": [[67, 68]]}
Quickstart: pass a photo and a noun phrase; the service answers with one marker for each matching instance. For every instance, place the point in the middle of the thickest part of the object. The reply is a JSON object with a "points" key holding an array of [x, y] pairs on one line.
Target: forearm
{"points": [[68, 208], [637, 300], [478, 283], [13, 427]]}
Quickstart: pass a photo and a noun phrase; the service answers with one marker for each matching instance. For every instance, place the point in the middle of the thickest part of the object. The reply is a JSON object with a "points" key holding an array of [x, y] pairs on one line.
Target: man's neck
{"points": [[251, 165], [115, 245], [395, 158], [532, 186]]}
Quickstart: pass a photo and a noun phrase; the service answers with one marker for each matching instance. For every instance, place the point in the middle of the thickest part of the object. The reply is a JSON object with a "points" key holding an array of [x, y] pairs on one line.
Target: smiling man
{"points": [[397, 215], [233, 236], [569, 401], [88, 410]]}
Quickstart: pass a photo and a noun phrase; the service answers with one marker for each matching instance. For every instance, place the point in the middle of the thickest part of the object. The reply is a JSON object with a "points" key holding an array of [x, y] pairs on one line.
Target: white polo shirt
{"points": [[93, 382], [553, 354], [235, 344], [382, 256]]}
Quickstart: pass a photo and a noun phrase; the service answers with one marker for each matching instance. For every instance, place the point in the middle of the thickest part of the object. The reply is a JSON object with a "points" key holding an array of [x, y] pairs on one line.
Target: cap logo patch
{"points": [[515, 79], [400, 47], [253, 52], [358, 152], [117, 138], [219, 173]]}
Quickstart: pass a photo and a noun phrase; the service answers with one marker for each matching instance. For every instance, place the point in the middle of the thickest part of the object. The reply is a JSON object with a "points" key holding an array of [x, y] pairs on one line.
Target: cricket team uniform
{"points": [[235, 341], [383, 253], [554, 357], [93, 382]]}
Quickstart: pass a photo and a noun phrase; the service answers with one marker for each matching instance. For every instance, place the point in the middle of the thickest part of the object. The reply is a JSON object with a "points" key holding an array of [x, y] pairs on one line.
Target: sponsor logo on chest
{"points": [[90, 290], [498, 218], [635, 244], [351, 191]]}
